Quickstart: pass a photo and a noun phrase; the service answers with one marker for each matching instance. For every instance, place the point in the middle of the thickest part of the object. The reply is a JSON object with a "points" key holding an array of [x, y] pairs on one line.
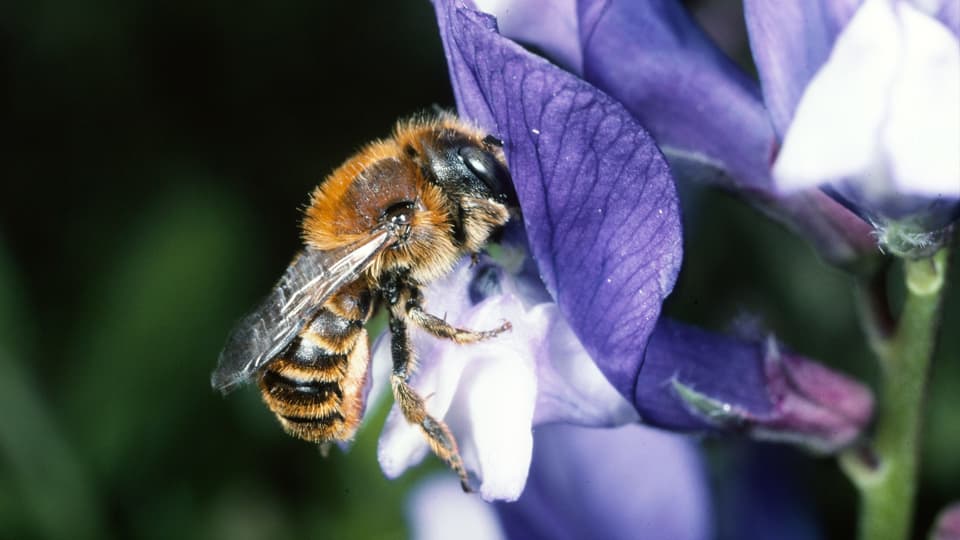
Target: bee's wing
{"points": [[311, 279]]}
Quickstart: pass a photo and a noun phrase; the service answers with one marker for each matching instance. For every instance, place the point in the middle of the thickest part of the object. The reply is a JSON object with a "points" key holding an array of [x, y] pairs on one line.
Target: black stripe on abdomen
{"points": [[315, 356], [321, 420], [301, 392]]}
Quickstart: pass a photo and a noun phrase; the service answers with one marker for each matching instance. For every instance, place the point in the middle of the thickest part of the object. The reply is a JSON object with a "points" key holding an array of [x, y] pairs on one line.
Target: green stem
{"points": [[888, 484]]}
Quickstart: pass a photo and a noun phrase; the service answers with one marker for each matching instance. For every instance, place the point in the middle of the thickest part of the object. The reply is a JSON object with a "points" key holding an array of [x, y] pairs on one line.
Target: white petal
{"points": [[440, 510], [401, 445], [500, 402], [922, 133], [493, 411], [835, 130]]}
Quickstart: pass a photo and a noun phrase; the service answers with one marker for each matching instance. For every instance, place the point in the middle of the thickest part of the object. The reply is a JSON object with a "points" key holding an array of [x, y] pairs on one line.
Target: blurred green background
{"points": [[154, 159]]}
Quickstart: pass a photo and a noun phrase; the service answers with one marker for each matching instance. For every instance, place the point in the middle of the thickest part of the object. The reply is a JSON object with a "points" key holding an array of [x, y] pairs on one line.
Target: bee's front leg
{"points": [[438, 435]]}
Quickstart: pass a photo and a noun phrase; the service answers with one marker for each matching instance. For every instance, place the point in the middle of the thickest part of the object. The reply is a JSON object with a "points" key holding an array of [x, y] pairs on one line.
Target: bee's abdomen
{"points": [[316, 388]]}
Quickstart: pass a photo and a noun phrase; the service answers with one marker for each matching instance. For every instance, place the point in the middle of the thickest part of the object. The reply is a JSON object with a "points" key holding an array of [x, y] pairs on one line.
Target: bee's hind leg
{"points": [[438, 435]]}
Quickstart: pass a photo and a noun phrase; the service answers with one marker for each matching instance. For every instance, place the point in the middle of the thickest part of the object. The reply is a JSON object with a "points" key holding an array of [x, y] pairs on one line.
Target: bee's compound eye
{"points": [[399, 214], [485, 167]]}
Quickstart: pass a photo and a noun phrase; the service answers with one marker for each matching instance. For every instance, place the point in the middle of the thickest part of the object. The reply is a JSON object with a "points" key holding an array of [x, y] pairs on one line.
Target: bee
{"points": [[392, 218]]}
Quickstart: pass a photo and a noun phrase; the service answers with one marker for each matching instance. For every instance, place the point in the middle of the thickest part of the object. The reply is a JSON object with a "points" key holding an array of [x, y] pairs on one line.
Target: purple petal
{"points": [[599, 204], [790, 40], [697, 104], [694, 380], [630, 482], [471, 101]]}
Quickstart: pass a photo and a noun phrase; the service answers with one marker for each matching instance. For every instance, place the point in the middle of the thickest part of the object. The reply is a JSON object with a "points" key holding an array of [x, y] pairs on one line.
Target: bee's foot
{"points": [[469, 482]]}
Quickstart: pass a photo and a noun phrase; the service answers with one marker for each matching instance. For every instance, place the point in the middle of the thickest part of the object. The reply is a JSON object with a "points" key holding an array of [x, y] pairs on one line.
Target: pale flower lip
{"points": [[880, 119]]}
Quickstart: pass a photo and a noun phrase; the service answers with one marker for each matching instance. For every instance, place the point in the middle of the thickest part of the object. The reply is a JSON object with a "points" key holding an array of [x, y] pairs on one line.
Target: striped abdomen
{"points": [[316, 387]]}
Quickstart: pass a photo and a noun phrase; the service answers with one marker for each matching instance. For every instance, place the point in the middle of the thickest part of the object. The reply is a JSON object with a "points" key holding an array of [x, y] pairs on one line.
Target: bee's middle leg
{"points": [[442, 329], [438, 435]]}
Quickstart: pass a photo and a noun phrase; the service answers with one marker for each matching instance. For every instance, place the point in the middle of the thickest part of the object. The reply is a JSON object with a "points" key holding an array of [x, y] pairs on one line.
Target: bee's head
{"points": [[471, 171]]}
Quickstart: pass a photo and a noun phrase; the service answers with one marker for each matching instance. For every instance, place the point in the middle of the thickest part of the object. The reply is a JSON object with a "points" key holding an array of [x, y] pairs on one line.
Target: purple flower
{"points": [[868, 114], [630, 482], [867, 99], [583, 284]]}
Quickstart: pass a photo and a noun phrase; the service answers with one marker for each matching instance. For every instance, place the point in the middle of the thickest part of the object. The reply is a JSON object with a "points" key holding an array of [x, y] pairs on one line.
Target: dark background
{"points": [[154, 159]]}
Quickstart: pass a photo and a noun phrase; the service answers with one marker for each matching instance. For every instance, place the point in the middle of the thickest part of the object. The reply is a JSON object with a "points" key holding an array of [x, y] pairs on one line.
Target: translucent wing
{"points": [[307, 283]]}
